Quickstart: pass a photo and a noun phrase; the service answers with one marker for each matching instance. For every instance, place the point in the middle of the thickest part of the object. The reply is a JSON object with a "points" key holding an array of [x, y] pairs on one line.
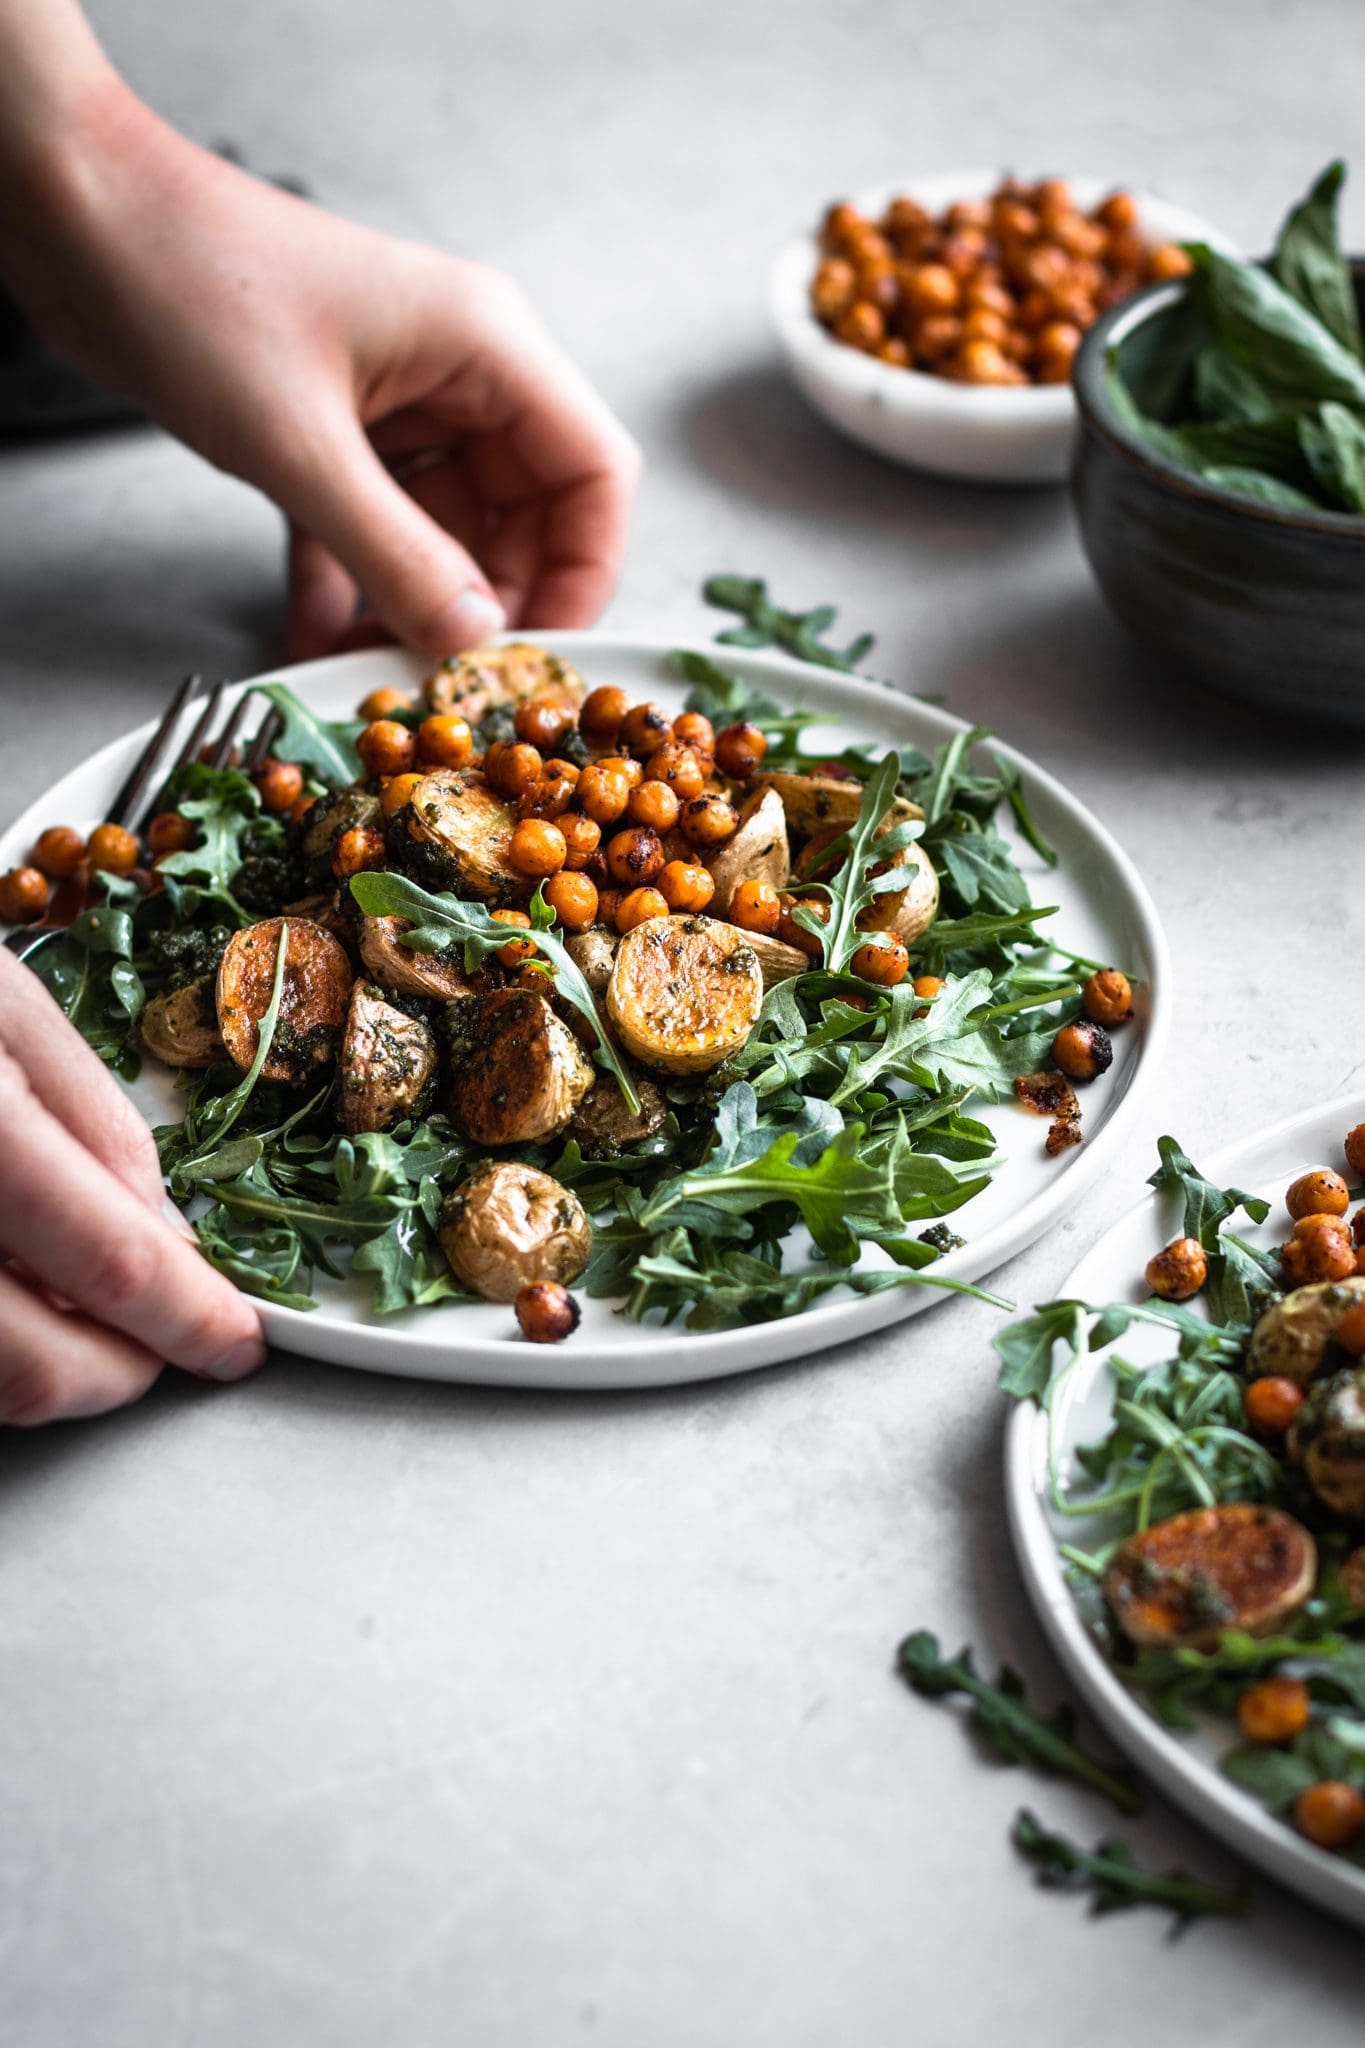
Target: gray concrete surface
{"points": [[335, 1710]]}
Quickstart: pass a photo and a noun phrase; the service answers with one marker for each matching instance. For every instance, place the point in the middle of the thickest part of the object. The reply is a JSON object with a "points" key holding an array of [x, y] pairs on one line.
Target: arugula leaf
{"points": [[1309, 264], [89, 974], [1017, 1732], [324, 747], [184, 1146], [1026, 1349], [226, 806], [858, 851], [767, 625], [1207, 1208], [1113, 1876]]}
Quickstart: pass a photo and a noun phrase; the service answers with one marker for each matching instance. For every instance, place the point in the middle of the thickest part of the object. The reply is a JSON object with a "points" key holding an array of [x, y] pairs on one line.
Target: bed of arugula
{"points": [[1177, 1440], [854, 1122], [1272, 405]]}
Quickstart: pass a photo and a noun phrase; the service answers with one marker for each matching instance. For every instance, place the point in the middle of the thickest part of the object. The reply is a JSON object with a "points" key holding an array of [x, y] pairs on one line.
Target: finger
{"points": [[582, 550], [73, 1082], [68, 1219], [55, 1365], [322, 598], [443, 490]]}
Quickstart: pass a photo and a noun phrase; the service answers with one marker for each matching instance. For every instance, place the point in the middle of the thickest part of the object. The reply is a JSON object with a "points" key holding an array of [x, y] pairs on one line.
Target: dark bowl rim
{"points": [[1097, 414]]}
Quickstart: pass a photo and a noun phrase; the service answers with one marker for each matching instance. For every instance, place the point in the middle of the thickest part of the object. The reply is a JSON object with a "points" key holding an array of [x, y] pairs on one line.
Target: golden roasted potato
{"points": [[404, 972], [325, 822], [1179, 1584], [777, 960], [592, 952], [813, 803], [467, 831], [387, 1059], [758, 852], [685, 992], [516, 1072], [1291, 1339], [334, 909], [509, 1226], [317, 989], [473, 684], [1327, 1438], [604, 1122], [181, 1027], [907, 912]]}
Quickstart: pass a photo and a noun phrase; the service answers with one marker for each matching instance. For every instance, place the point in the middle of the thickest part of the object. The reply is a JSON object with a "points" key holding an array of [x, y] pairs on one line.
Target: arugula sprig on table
{"points": [[768, 625], [1114, 1878]]}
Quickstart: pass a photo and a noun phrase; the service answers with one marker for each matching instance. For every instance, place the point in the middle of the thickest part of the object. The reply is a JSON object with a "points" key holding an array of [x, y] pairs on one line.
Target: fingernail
{"points": [[236, 1363], [473, 618]]}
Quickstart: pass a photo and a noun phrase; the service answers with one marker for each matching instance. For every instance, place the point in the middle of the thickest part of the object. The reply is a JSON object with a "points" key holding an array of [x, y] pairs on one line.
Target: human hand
{"points": [[314, 358], [97, 1289]]}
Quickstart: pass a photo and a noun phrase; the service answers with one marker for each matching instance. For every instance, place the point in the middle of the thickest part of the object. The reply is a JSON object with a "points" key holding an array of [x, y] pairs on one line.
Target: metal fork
{"points": [[133, 803]]}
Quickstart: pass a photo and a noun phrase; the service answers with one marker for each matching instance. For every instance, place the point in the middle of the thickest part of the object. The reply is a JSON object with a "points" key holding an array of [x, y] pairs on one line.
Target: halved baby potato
{"points": [[604, 1121], [758, 852], [517, 1073], [387, 1059], [1179, 1584], [317, 990], [468, 829], [508, 1226], [324, 823], [907, 912], [593, 952], [685, 992], [474, 684], [1327, 1438], [181, 1027], [1291, 1339], [777, 961], [404, 972], [816, 803]]}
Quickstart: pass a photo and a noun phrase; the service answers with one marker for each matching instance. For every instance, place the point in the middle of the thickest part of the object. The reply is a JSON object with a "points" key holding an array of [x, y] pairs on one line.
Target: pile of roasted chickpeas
{"points": [[991, 291]]}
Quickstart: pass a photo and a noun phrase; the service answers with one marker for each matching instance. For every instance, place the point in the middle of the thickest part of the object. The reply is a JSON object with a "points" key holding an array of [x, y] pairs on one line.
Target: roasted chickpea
{"points": [[984, 294], [979, 323], [551, 796], [168, 832], [573, 899], [111, 850], [1330, 1813], [397, 791], [963, 252], [1318, 1193], [756, 907], [681, 767], [536, 848], [1119, 210], [653, 804], [936, 337], [833, 289], [58, 852], [1082, 1050], [930, 288], [1353, 1146], [632, 769], [601, 713], [1015, 221], [546, 1311], [1168, 260], [360, 848], [384, 703], [895, 352], [603, 792], [793, 934], [740, 750], [582, 837], [693, 729], [634, 856], [638, 907], [1350, 1331], [708, 821], [1271, 1403], [842, 223], [279, 785], [609, 902], [512, 768], [985, 362], [927, 986], [1107, 998], [1274, 1709], [885, 963], [686, 885], [904, 216], [863, 326], [1323, 1250], [301, 809], [1179, 1270], [386, 747], [644, 729], [445, 740], [23, 895], [517, 951]]}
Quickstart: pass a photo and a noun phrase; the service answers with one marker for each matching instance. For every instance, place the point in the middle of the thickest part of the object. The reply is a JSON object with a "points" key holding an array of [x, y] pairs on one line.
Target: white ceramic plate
{"points": [[1185, 1767], [986, 434], [1105, 914]]}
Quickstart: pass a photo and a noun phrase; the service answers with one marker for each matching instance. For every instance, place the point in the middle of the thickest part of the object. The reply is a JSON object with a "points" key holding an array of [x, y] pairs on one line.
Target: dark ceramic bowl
{"points": [[1257, 603]]}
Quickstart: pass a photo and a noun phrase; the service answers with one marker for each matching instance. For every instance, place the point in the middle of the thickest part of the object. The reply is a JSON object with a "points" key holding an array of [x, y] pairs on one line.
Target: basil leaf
{"points": [[1333, 443], [1258, 322], [1308, 261]]}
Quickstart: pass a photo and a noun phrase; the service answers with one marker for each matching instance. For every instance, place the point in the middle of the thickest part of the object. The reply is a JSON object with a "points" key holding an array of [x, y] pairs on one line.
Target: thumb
{"points": [[426, 588]]}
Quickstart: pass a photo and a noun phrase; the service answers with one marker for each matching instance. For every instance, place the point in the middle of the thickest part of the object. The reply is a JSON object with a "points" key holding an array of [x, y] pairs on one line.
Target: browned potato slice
{"points": [[1179, 1584], [474, 684], [757, 853], [516, 1072], [468, 830], [592, 952], [317, 989], [604, 1120], [685, 992], [181, 1028], [404, 972], [907, 912], [776, 959], [813, 802], [1291, 1338], [387, 1059], [325, 822], [508, 1226], [1328, 1439]]}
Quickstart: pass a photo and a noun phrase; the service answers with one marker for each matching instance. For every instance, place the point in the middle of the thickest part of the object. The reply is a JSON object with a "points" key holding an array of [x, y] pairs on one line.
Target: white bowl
{"points": [[1000, 434]]}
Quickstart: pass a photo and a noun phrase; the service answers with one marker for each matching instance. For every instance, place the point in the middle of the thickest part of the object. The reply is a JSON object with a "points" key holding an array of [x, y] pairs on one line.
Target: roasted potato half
{"points": [[404, 972], [1291, 1339], [516, 1072], [816, 803], [474, 684], [181, 1027], [777, 961], [593, 952], [1179, 1584], [317, 990], [466, 831], [758, 852], [684, 993], [1327, 1438], [508, 1226], [387, 1061], [324, 824], [907, 912], [604, 1123]]}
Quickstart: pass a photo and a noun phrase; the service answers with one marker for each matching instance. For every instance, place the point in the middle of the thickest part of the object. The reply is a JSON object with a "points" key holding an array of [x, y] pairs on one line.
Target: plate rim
{"points": [[1197, 1786]]}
